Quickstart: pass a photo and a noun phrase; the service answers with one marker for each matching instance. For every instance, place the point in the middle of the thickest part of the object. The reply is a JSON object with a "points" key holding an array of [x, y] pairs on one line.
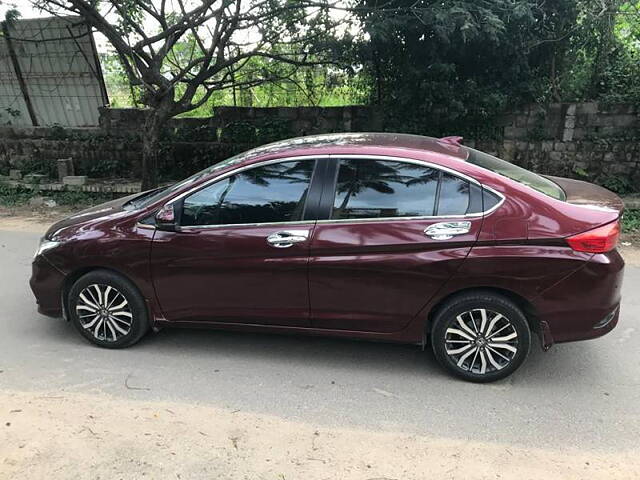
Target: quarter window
{"points": [[270, 193], [369, 188]]}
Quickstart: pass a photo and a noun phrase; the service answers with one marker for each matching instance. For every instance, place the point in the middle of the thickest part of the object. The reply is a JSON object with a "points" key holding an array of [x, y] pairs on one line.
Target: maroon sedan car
{"points": [[377, 236]]}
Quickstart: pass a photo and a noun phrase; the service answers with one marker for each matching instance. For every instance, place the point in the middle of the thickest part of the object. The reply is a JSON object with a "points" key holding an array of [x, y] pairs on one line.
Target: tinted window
{"points": [[380, 188], [271, 193], [516, 173], [454, 196], [153, 196], [489, 200]]}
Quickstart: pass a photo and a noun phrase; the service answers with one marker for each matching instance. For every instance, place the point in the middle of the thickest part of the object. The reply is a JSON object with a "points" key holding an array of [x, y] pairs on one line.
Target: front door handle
{"points": [[447, 230], [286, 238]]}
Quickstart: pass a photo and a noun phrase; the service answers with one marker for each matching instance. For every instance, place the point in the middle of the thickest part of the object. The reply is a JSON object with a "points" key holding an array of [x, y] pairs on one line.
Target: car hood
{"points": [[585, 193], [98, 212]]}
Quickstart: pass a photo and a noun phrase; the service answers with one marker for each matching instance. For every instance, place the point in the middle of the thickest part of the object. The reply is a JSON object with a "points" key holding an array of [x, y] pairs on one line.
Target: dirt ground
{"points": [[65, 435]]}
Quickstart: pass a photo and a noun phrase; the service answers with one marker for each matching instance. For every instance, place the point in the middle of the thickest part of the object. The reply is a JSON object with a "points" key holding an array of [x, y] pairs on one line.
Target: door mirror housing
{"points": [[165, 219]]}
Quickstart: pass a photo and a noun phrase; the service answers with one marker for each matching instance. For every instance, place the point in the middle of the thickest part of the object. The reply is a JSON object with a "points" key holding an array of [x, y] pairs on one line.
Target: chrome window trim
{"points": [[248, 225], [345, 220], [391, 219]]}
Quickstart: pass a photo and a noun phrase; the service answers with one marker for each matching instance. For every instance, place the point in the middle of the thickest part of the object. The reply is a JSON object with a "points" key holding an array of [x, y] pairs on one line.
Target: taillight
{"points": [[599, 240]]}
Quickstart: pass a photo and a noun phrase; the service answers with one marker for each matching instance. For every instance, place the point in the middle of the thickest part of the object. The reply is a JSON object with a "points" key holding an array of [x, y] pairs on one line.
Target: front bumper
{"points": [[47, 283], [584, 305]]}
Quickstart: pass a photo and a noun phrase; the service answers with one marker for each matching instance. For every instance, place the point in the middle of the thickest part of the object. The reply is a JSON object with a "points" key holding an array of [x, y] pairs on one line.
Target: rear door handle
{"points": [[447, 230], [286, 238]]}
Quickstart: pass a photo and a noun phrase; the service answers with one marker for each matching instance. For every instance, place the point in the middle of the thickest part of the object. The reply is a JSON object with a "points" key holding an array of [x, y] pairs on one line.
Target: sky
{"points": [[23, 6]]}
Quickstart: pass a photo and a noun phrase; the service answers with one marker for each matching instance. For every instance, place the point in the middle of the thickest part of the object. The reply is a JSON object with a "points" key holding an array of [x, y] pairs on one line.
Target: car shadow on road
{"points": [[561, 363], [555, 366]]}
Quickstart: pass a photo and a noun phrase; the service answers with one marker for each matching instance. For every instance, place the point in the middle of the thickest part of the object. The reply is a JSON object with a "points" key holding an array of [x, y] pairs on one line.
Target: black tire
{"points": [[112, 284], [486, 355]]}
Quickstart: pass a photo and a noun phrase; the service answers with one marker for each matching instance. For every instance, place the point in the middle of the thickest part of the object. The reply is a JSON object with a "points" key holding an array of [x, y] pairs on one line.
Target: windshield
{"points": [[153, 196], [514, 172]]}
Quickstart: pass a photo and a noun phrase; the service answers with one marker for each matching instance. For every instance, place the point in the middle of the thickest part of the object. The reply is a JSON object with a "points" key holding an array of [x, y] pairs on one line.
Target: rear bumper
{"points": [[584, 305], [46, 284]]}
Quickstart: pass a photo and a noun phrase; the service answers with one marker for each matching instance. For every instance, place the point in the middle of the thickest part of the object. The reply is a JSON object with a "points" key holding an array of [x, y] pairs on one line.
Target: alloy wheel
{"points": [[104, 312], [481, 341]]}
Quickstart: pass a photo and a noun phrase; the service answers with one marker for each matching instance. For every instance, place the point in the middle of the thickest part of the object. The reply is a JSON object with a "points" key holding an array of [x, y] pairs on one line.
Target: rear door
{"points": [[242, 251], [394, 231]]}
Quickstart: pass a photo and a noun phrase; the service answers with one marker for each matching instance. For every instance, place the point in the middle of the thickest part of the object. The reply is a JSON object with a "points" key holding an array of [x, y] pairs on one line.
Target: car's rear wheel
{"points": [[480, 337], [107, 309]]}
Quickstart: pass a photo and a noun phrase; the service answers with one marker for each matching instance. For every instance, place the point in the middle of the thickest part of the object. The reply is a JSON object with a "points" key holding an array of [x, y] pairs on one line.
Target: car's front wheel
{"points": [[107, 309], [480, 336]]}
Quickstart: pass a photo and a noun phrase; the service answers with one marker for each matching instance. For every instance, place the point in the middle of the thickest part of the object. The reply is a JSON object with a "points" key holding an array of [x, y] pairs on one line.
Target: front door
{"points": [[396, 232], [242, 251]]}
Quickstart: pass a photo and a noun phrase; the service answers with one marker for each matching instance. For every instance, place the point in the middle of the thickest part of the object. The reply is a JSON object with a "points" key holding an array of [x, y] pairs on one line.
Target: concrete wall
{"points": [[590, 141]]}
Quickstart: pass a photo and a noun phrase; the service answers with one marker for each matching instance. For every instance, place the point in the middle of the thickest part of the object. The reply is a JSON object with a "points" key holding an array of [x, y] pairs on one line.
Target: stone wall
{"points": [[590, 141], [296, 121]]}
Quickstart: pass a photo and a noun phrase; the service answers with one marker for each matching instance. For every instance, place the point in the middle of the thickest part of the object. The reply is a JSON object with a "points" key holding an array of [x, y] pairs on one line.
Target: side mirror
{"points": [[166, 218]]}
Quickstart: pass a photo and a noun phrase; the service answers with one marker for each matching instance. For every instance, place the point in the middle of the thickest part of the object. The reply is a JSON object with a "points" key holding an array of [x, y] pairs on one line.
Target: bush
{"points": [[631, 220]]}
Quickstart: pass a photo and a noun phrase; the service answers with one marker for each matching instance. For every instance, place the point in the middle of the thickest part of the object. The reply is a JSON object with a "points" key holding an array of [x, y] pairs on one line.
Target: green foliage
{"points": [[239, 132], [74, 198], [11, 196], [315, 85], [107, 167], [15, 196], [453, 67], [272, 131], [448, 67], [39, 165], [618, 184], [10, 17], [631, 220], [198, 133]]}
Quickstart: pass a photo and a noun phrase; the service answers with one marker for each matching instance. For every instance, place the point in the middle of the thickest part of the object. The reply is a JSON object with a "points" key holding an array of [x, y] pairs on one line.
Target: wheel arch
{"points": [[76, 274], [521, 302]]}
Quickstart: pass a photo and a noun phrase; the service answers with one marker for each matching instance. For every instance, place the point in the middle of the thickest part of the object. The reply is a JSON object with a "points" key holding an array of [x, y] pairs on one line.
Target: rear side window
{"points": [[368, 188], [514, 172], [270, 193], [454, 196]]}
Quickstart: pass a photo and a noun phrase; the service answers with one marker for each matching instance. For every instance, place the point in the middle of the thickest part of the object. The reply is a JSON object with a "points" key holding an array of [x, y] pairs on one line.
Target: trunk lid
{"points": [[588, 194]]}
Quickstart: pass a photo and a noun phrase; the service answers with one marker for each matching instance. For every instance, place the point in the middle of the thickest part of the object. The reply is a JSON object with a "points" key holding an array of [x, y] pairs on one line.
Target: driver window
{"points": [[265, 194]]}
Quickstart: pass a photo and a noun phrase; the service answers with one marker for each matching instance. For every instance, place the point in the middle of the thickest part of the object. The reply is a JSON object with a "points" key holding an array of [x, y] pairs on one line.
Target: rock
{"points": [[74, 180], [65, 168], [34, 178], [50, 203], [37, 201]]}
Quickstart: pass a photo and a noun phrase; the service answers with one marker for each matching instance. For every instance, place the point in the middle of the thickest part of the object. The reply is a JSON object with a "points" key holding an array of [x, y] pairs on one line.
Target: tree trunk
{"points": [[154, 122]]}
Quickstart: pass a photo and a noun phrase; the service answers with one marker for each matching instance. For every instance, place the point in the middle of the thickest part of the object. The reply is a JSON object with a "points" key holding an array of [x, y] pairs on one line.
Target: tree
{"points": [[177, 53], [439, 66]]}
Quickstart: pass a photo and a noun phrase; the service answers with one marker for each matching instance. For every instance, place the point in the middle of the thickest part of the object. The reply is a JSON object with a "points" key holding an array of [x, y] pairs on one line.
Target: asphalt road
{"points": [[583, 395]]}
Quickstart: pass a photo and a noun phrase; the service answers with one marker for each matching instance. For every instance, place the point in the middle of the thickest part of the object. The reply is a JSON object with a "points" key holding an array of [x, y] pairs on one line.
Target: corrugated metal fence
{"points": [[50, 73]]}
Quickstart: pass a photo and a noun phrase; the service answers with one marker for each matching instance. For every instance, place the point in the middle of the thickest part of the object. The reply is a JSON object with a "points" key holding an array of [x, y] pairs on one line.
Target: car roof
{"points": [[325, 143]]}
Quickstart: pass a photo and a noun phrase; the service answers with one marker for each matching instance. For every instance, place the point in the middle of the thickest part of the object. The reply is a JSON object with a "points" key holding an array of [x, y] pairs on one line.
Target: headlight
{"points": [[45, 245]]}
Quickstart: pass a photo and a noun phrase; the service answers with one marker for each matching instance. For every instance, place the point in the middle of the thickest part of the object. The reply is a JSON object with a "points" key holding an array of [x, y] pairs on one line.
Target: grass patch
{"points": [[631, 220], [16, 196]]}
